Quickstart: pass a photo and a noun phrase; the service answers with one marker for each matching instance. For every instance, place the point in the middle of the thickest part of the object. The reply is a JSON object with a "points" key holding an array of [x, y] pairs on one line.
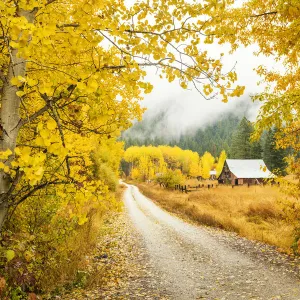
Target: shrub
{"points": [[170, 178]]}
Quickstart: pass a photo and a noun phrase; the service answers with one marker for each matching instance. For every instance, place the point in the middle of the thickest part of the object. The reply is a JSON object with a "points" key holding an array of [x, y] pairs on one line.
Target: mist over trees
{"points": [[230, 133], [213, 138]]}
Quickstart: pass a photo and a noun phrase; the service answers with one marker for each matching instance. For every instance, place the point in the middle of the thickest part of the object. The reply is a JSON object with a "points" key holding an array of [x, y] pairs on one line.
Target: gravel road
{"points": [[195, 262]]}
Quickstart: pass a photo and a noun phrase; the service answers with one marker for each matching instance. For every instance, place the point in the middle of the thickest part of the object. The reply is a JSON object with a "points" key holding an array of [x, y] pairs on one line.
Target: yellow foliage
{"points": [[207, 161], [221, 162], [149, 162]]}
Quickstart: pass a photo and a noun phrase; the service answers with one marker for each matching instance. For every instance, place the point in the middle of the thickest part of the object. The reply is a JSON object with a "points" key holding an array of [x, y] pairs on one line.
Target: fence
{"points": [[189, 188]]}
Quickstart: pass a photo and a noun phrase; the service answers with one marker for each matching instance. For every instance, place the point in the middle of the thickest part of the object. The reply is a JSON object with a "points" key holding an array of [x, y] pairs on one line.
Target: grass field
{"points": [[254, 212]]}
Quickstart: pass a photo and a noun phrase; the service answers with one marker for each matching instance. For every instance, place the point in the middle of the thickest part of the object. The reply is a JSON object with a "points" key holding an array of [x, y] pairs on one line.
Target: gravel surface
{"points": [[193, 262]]}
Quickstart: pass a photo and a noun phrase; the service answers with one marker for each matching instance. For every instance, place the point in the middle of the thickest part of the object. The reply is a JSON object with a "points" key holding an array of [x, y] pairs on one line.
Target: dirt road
{"points": [[194, 262]]}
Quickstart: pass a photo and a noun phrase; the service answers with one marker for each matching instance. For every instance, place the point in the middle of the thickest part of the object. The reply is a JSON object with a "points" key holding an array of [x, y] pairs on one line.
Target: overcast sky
{"points": [[186, 108]]}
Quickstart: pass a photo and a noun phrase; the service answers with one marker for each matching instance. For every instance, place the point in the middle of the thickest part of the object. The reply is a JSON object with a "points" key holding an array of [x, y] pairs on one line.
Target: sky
{"points": [[187, 109]]}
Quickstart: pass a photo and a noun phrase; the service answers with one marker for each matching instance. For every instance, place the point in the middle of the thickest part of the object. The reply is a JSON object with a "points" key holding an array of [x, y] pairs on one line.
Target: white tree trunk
{"points": [[10, 117]]}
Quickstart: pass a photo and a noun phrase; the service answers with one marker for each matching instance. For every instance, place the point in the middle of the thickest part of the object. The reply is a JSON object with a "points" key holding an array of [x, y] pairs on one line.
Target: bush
{"points": [[107, 175], [170, 178]]}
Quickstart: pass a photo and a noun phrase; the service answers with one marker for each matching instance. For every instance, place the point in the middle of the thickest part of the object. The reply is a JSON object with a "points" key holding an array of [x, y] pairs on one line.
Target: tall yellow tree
{"points": [[207, 162], [146, 161], [221, 162], [71, 70]]}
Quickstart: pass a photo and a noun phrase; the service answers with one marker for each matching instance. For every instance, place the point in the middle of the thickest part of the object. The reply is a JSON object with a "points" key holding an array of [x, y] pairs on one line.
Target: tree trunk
{"points": [[10, 118]]}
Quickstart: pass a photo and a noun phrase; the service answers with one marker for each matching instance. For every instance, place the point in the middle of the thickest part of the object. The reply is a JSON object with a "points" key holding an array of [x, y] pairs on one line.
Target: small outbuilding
{"points": [[212, 175], [244, 171]]}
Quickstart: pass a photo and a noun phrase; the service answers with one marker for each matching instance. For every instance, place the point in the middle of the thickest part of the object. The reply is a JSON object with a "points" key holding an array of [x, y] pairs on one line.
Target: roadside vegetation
{"points": [[46, 243], [256, 212]]}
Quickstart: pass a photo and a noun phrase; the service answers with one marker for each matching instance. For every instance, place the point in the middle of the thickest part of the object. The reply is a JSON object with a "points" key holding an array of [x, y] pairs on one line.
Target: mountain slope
{"points": [[154, 131]]}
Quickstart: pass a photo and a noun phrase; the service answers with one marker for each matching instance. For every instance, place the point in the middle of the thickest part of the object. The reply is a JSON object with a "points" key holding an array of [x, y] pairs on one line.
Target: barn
{"points": [[244, 171]]}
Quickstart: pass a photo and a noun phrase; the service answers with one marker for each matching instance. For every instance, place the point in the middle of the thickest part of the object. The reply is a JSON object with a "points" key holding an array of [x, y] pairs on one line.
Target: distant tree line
{"points": [[213, 138], [167, 164], [229, 133]]}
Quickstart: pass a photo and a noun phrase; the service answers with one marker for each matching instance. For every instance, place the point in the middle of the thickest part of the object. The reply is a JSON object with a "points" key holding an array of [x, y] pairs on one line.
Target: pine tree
{"points": [[256, 150], [267, 150], [242, 148], [273, 157]]}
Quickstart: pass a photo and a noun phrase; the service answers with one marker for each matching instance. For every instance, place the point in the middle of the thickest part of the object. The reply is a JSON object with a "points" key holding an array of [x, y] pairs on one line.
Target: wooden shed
{"points": [[244, 171]]}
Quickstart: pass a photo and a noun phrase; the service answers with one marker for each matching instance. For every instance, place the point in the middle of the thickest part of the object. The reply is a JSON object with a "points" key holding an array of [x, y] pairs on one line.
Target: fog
{"points": [[187, 110]]}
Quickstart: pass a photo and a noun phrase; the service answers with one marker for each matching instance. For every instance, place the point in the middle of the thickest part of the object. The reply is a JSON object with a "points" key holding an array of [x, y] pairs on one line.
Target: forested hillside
{"points": [[214, 138], [230, 133]]}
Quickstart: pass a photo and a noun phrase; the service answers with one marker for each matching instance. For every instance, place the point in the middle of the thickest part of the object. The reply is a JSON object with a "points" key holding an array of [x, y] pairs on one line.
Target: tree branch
{"points": [[264, 14]]}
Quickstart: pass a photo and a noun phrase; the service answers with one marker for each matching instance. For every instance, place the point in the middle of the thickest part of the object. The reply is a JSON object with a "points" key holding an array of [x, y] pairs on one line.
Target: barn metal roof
{"points": [[249, 168]]}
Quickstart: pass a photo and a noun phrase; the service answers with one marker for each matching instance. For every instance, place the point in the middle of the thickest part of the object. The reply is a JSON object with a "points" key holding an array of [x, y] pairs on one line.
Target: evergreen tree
{"points": [[273, 157], [256, 150], [242, 148], [267, 150]]}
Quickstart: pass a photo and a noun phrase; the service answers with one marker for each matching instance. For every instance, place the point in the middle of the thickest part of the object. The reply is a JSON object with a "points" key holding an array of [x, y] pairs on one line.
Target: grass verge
{"points": [[254, 212]]}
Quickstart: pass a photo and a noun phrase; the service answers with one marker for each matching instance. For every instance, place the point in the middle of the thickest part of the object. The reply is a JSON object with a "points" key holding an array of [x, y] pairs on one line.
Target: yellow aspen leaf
{"points": [[45, 134], [92, 86], [82, 220], [10, 254], [28, 256], [39, 141], [21, 78], [14, 44], [39, 171], [183, 85], [15, 81], [5, 154], [32, 82], [225, 99], [20, 93], [17, 151], [81, 85], [51, 124]]}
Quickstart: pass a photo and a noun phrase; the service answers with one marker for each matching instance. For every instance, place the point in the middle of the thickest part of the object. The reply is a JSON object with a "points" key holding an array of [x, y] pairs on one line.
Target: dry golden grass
{"points": [[252, 212]]}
